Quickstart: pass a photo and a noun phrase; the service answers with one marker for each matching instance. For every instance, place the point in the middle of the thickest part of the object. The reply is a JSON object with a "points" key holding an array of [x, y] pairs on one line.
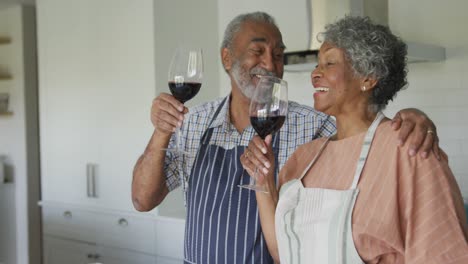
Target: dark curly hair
{"points": [[373, 51]]}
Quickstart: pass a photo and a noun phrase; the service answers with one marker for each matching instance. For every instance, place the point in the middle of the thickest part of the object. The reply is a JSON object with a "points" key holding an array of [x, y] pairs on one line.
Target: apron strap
{"points": [[315, 158], [203, 138], [364, 151], [365, 148]]}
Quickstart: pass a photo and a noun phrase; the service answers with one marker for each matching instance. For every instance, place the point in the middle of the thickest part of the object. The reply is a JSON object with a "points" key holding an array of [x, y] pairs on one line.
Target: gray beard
{"points": [[243, 79]]}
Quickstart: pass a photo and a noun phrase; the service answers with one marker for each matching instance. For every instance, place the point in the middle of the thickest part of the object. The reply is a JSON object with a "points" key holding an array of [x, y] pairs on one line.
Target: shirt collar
{"points": [[223, 120]]}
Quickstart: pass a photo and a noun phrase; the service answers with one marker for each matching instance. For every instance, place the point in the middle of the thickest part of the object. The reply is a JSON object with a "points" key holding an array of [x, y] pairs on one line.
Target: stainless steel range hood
{"points": [[322, 12]]}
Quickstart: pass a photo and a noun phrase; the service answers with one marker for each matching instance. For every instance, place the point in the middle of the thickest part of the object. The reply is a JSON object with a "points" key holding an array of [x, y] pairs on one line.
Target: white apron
{"points": [[313, 225]]}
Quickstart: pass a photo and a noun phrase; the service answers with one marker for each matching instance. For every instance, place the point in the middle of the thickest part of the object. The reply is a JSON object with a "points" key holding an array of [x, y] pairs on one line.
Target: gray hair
{"points": [[235, 25], [372, 51]]}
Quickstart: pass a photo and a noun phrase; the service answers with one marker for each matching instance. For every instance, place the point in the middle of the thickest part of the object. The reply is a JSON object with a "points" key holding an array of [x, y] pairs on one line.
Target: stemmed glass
{"points": [[185, 79], [268, 111]]}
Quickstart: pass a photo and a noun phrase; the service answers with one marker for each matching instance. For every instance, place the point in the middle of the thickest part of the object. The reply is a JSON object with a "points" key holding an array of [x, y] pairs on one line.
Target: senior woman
{"points": [[356, 197]]}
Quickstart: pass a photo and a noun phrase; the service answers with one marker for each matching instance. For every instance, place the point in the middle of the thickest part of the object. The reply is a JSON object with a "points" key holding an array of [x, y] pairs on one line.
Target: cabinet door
{"points": [[96, 87], [68, 106], [59, 251], [126, 71]]}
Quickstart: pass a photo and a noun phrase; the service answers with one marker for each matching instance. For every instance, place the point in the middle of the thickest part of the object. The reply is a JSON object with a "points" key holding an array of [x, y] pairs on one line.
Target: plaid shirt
{"points": [[302, 125]]}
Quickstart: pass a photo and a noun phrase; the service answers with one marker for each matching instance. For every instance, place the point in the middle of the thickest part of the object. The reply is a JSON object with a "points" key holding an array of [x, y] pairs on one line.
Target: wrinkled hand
{"points": [[418, 130], [167, 113], [258, 159]]}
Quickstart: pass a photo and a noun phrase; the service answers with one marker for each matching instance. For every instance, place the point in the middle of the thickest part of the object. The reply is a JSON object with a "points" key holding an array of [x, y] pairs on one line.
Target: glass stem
{"points": [[253, 179], [178, 138]]}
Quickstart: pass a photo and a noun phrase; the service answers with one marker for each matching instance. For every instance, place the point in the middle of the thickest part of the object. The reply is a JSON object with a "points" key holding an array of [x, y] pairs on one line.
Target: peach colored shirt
{"points": [[409, 209]]}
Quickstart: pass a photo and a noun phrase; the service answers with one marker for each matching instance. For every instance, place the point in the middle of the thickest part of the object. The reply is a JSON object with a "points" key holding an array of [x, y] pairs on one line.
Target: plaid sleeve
{"points": [[326, 126], [171, 167]]}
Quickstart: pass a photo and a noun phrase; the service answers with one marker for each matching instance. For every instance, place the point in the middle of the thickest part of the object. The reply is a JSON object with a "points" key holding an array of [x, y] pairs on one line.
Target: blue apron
{"points": [[222, 219]]}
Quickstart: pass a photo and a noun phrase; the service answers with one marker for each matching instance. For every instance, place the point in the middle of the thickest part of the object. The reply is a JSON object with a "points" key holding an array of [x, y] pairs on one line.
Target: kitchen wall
{"points": [[440, 89], [19, 214], [187, 23]]}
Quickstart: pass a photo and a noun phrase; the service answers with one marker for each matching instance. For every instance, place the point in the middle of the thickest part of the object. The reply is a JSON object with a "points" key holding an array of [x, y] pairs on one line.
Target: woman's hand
{"points": [[259, 161], [423, 132]]}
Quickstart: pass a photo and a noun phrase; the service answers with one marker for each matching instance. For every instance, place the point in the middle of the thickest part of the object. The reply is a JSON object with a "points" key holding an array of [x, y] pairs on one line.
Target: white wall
{"points": [[189, 23], [186, 22], [19, 223], [439, 89]]}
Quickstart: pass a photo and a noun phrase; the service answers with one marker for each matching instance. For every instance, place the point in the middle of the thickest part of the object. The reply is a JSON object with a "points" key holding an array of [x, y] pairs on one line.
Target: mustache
{"points": [[261, 71]]}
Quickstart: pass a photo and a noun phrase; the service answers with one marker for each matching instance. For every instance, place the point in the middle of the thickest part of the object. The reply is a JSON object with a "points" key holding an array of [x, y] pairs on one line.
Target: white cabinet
{"points": [[57, 251], [111, 229], [96, 61], [163, 260], [82, 235], [96, 85], [60, 251], [170, 237]]}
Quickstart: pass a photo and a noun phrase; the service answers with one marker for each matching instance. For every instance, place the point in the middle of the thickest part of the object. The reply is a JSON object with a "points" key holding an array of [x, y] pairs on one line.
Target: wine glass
{"points": [[268, 111], [185, 79]]}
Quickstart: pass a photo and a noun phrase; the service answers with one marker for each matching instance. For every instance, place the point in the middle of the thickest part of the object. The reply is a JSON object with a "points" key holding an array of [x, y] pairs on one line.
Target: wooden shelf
{"points": [[5, 40], [6, 113]]}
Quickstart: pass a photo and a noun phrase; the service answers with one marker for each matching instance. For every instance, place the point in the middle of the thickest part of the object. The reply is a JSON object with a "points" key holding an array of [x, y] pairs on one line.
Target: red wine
{"points": [[267, 125], [184, 91]]}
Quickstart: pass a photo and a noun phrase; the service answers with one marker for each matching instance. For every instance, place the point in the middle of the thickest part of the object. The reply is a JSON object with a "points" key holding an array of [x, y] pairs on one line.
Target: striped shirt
{"points": [[301, 126], [409, 209]]}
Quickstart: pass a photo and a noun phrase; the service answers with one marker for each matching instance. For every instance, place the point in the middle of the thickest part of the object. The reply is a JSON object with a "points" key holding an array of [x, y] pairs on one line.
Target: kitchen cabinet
{"points": [[20, 240], [96, 85], [59, 251], [84, 234], [96, 61], [64, 251]]}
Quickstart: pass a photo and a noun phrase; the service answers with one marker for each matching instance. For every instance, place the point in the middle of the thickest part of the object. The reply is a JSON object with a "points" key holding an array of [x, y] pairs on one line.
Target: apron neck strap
{"points": [[365, 148], [315, 158], [207, 133]]}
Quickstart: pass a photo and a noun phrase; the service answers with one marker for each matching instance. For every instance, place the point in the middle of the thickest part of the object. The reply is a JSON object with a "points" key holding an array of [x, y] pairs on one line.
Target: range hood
{"points": [[322, 12]]}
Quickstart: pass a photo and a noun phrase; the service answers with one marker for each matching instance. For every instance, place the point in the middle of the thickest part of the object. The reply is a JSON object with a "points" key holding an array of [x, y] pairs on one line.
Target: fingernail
{"points": [[267, 164], [179, 124], [424, 154], [412, 152], [264, 151], [181, 108], [265, 170]]}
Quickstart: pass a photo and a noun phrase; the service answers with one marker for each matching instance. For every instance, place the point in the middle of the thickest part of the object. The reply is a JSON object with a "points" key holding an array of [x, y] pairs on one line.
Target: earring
{"points": [[363, 89]]}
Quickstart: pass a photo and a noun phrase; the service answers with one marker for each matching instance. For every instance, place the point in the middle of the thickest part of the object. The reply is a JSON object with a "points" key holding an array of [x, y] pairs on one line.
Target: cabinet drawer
{"points": [[109, 229], [69, 223], [124, 231]]}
